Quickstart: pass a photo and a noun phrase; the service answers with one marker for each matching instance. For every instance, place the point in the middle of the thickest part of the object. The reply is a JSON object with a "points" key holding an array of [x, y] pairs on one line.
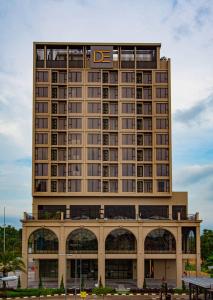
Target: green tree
{"points": [[206, 244], [10, 262], [13, 238], [40, 284], [19, 283], [62, 283]]}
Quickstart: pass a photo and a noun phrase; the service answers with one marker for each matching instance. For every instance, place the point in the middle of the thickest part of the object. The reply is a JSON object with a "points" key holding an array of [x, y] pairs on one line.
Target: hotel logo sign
{"points": [[101, 57]]}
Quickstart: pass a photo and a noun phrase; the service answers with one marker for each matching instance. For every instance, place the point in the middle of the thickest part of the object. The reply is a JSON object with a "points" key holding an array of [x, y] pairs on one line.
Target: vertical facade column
{"points": [[24, 275], [62, 268], [101, 256], [198, 268], [140, 257], [179, 257]]}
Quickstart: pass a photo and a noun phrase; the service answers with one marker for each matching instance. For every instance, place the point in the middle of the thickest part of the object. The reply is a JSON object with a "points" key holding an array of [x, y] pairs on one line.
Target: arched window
{"points": [[120, 241], [82, 241], [160, 241], [189, 239], [43, 241]]}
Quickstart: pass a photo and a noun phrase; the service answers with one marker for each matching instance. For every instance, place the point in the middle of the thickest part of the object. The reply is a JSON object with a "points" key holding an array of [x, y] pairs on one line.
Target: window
{"points": [[162, 123], [94, 123], [128, 139], [128, 123], [147, 154], [62, 92], [161, 92], [74, 185], [147, 186], [39, 54], [128, 108], [75, 76], [128, 77], [94, 170], [162, 154], [54, 154], [147, 77], [147, 170], [128, 154], [140, 186], [41, 76], [147, 93], [154, 211], [41, 153], [94, 92], [62, 77], [94, 76], [128, 185], [53, 186], [128, 169], [110, 154], [41, 138], [61, 170], [93, 139], [94, 107], [75, 107], [162, 170], [162, 108], [75, 138], [54, 92], [147, 139], [163, 186], [147, 123], [41, 123], [74, 153], [162, 139], [62, 138], [41, 91], [54, 139], [75, 92], [181, 209], [62, 107], [139, 93], [40, 185], [140, 154], [61, 185], [54, 108], [94, 185], [161, 77], [75, 123], [110, 186], [139, 171], [128, 92], [41, 169], [62, 154], [74, 170], [147, 108], [110, 171], [94, 153]]}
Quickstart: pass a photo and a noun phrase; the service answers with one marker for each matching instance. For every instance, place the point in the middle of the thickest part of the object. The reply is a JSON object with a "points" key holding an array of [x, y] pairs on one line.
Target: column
{"points": [[140, 258], [101, 256], [179, 259], [24, 276], [198, 264], [62, 257]]}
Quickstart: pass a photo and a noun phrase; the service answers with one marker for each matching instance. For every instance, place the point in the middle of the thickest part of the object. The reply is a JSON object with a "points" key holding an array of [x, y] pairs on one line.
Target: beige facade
{"points": [[103, 206]]}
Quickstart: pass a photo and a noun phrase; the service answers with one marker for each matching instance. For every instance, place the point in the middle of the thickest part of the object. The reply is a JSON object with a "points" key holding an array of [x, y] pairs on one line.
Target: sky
{"points": [[185, 30]]}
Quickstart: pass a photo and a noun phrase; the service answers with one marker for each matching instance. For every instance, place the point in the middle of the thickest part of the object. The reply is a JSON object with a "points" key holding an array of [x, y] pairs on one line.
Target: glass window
{"points": [[162, 154], [78, 212], [128, 154], [119, 212], [94, 76], [147, 93], [75, 123], [40, 185], [161, 92], [120, 241], [154, 211], [41, 91], [162, 108], [74, 185], [147, 139], [94, 92], [41, 169], [162, 170], [162, 123], [41, 76], [128, 77], [94, 169], [128, 92], [128, 185], [75, 138], [179, 209], [128, 123], [94, 185], [147, 186], [94, 107], [161, 77], [160, 241], [74, 154], [94, 123], [147, 77], [162, 139], [93, 139], [41, 138], [128, 108], [75, 76], [74, 107], [128, 139], [163, 186], [75, 92], [74, 170], [147, 154], [82, 241], [94, 153], [147, 170], [110, 186], [43, 241], [41, 153]]}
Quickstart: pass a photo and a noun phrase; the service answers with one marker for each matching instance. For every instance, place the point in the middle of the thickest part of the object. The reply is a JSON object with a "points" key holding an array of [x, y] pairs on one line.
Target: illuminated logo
{"points": [[101, 57]]}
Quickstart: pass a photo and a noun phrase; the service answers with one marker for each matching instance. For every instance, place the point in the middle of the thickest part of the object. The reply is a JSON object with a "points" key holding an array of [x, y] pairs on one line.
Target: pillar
{"points": [[62, 257], [101, 256], [24, 275], [179, 258], [198, 263], [140, 258]]}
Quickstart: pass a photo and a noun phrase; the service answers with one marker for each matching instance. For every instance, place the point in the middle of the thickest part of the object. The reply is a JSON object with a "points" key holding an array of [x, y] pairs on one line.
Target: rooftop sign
{"points": [[101, 57]]}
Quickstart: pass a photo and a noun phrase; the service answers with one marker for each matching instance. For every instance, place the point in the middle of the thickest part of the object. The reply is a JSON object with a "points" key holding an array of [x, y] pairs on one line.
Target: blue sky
{"points": [[184, 27]]}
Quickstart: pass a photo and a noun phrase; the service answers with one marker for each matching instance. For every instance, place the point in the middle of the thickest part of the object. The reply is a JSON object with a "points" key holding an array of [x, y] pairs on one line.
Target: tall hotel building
{"points": [[103, 205]]}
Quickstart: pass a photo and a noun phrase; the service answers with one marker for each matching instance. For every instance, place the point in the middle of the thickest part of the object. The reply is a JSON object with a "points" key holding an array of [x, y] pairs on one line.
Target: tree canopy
{"points": [[12, 239], [206, 244]]}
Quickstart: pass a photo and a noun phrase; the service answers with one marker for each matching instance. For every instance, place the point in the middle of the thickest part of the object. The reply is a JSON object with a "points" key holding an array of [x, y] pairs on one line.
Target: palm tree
{"points": [[10, 262]]}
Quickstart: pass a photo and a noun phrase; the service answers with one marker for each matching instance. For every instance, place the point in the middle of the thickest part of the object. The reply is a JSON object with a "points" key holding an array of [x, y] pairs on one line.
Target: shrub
{"points": [[102, 291]]}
